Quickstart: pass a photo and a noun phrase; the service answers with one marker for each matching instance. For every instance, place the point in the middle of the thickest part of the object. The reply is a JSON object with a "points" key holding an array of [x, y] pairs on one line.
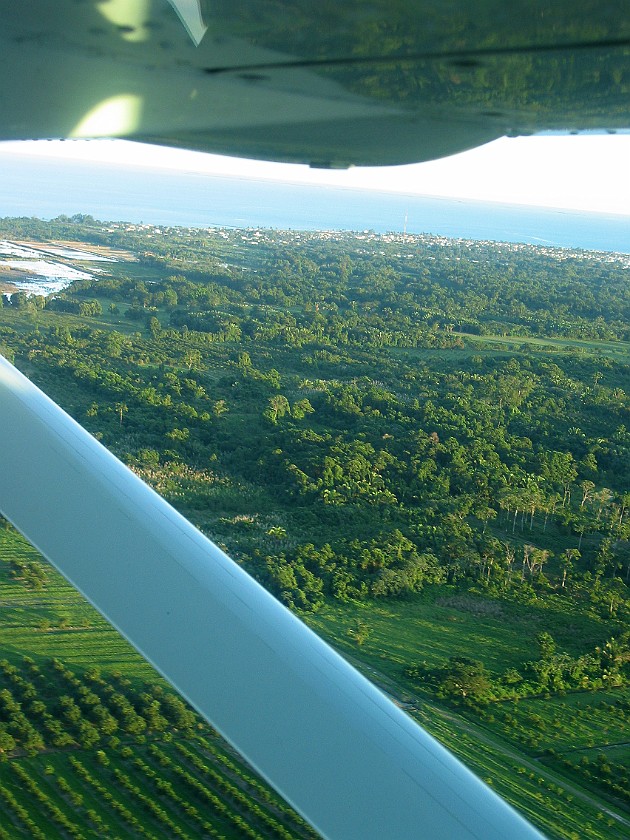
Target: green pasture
{"points": [[545, 797], [439, 624], [618, 350], [619, 753], [56, 621], [570, 722], [502, 744]]}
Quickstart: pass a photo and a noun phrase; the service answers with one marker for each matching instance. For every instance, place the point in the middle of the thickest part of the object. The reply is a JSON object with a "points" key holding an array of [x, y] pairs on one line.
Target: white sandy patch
{"points": [[48, 277], [16, 250], [47, 269], [71, 254]]}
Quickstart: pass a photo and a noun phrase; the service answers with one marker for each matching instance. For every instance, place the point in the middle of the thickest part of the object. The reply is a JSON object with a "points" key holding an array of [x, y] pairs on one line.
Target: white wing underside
{"points": [[348, 759]]}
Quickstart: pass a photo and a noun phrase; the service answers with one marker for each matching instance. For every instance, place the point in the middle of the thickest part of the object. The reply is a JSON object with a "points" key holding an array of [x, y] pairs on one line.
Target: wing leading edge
{"points": [[349, 760]]}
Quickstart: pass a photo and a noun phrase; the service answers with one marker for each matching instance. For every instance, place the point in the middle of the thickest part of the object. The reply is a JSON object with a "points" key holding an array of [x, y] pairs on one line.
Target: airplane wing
{"points": [[327, 83]]}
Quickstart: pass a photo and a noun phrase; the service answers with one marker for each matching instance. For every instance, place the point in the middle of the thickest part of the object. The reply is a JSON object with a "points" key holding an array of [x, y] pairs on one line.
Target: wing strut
{"points": [[349, 760]]}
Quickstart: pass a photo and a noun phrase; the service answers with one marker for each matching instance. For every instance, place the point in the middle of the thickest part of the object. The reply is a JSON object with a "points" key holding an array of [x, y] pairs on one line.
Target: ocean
{"points": [[45, 188]]}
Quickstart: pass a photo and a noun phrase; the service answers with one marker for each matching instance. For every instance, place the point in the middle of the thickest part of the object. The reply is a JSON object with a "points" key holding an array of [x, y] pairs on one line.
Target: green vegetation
{"points": [[420, 445]]}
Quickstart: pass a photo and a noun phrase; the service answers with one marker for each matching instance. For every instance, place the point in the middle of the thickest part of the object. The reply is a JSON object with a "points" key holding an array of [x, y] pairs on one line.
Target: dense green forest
{"points": [[421, 445]]}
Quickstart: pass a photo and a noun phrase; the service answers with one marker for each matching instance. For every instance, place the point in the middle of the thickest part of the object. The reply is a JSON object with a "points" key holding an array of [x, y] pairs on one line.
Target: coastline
{"points": [[33, 189]]}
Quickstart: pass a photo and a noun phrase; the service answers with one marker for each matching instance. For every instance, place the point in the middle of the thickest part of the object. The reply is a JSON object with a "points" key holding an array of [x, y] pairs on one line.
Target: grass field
{"points": [[618, 350], [506, 743], [433, 629]]}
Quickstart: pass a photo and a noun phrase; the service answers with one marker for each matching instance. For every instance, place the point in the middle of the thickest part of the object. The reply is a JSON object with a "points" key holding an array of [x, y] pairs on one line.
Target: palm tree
{"points": [[121, 408]]}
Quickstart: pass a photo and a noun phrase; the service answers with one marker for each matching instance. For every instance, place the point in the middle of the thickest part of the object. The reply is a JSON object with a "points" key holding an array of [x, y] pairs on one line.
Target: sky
{"points": [[585, 172]]}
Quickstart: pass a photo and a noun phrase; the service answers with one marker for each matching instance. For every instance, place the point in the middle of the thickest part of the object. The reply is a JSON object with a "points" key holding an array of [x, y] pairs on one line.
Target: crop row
{"points": [[210, 798], [165, 788], [49, 706], [104, 792], [19, 813], [232, 792], [254, 785], [53, 810], [54, 707], [141, 791]]}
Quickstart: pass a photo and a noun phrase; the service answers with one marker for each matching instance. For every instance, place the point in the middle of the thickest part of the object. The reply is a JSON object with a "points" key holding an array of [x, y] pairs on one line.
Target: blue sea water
{"points": [[45, 188]]}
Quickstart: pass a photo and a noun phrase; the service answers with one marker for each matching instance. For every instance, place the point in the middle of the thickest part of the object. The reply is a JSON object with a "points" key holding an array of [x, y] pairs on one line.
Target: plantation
{"points": [[108, 749]]}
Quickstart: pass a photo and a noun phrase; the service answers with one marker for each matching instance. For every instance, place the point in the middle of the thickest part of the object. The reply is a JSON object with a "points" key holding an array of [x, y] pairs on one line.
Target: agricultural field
{"points": [[106, 750], [125, 767]]}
